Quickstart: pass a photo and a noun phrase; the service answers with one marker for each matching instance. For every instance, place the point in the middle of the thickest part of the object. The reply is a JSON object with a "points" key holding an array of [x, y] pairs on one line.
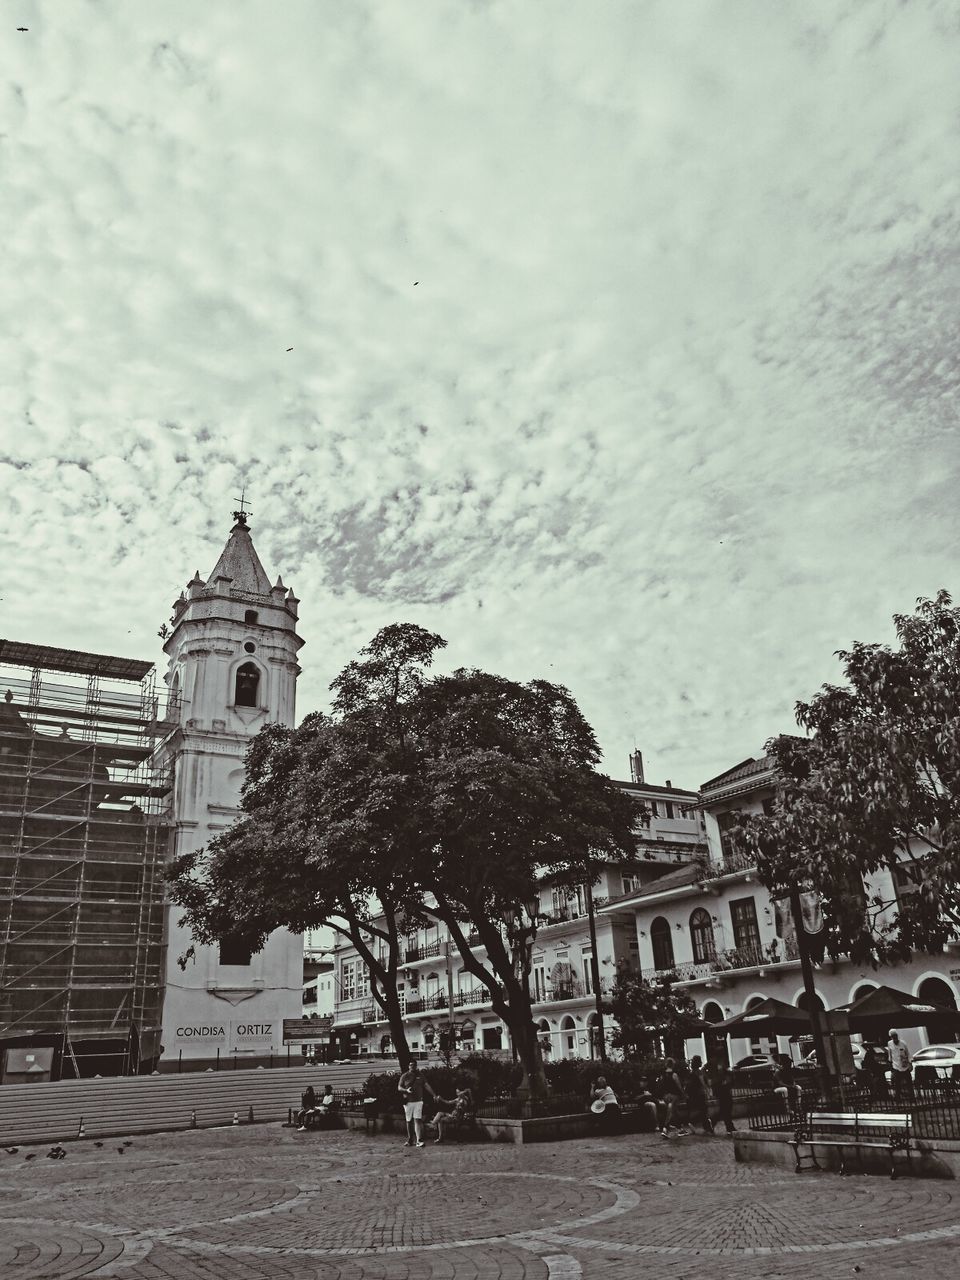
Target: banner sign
{"points": [[239, 1035], [306, 1030]]}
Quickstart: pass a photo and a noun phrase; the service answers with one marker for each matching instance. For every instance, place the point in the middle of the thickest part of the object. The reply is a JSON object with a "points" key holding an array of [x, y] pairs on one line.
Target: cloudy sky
{"points": [[624, 335]]}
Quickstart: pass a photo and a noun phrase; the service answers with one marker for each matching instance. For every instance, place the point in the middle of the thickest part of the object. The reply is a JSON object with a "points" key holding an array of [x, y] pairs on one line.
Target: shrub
{"points": [[576, 1075], [493, 1075]]}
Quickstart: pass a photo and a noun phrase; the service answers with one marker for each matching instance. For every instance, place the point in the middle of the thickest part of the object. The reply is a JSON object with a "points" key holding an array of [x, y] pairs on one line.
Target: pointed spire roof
{"points": [[240, 562]]}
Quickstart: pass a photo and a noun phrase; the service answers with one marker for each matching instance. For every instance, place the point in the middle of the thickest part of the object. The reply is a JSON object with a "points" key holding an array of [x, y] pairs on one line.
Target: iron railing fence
{"points": [[506, 1107], [934, 1109]]}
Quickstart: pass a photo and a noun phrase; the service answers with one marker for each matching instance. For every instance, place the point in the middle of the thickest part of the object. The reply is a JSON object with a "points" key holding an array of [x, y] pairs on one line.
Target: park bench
{"points": [[852, 1129]]}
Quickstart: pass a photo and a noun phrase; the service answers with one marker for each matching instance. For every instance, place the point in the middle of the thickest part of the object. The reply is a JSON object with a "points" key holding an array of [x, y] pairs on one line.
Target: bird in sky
{"points": [[289, 348], [23, 28]]}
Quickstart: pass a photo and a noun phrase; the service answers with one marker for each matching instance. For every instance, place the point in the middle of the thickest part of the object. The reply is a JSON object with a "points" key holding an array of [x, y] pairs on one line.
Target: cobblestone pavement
{"points": [[259, 1202]]}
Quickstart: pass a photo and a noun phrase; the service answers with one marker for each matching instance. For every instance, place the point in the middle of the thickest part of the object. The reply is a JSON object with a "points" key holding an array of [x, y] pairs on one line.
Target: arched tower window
{"points": [[248, 686], [701, 933], [662, 943], [250, 616]]}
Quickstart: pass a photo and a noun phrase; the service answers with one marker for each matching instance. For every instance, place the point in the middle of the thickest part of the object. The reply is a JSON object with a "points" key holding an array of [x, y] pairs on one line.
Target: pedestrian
{"points": [[412, 1087], [670, 1093], [874, 1070], [724, 1092], [899, 1067], [697, 1097]]}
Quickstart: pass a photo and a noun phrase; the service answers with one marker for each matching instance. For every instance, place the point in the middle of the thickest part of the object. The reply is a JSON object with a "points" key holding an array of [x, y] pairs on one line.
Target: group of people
{"points": [[448, 1112], [674, 1100], [878, 1059]]}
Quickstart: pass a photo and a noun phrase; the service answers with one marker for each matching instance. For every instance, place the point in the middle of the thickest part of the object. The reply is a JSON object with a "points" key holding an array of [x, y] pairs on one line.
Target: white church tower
{"points": [[232, 669]]}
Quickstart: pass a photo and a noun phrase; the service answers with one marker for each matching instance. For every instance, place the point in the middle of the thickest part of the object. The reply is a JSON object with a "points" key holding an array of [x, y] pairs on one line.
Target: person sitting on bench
{"points": [[604, 1105], [328, 1102], [308, 1105], [452, 1111]]}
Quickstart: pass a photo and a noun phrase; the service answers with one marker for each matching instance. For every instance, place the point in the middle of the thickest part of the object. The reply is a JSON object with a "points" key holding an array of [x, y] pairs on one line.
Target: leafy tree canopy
{"points": [[650, 1014], [876, 788]]}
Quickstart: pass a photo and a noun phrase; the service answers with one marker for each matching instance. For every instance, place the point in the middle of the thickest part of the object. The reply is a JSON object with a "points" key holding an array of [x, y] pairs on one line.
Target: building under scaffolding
{"points": [[83, 841]]}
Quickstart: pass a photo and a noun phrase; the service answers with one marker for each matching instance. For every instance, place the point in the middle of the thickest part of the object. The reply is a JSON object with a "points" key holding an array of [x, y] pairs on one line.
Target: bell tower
{"points": [[232, 668]]}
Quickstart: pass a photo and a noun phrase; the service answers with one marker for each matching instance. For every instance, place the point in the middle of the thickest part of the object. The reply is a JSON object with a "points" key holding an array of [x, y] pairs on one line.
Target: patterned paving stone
{"points": [[264, 1203]]}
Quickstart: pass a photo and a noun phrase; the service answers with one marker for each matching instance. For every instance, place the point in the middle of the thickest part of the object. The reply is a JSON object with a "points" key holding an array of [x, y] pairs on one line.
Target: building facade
{"points": [[232, 668], [713, 930]]}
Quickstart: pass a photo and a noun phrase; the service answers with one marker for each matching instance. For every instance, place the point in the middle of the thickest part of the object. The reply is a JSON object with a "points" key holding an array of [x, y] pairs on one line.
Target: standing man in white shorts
{"points": [[412, 1086]]}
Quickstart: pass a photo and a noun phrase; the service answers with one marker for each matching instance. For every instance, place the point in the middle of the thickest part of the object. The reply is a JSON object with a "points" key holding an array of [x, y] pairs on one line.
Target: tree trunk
{"points": [[519, 1018]]}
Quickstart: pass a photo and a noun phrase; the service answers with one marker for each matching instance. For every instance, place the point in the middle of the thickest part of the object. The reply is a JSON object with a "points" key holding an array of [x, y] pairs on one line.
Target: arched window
{"points": [[701, 933], [662, 943], [712, 1012], [804, 1003], [936, 991], [863, 991], [248, 686]]}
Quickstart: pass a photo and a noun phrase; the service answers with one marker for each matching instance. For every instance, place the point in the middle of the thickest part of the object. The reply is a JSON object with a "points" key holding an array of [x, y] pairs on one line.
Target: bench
{"points": [[346, 1102], [852, 1129]]}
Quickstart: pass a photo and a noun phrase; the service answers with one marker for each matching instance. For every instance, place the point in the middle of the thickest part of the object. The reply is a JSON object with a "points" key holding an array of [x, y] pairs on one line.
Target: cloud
{"points": [[622, 346]]}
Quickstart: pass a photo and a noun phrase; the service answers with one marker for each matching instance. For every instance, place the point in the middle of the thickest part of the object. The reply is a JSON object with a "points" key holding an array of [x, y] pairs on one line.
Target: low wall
{"points": [[543, 1129], [929, 1158]]}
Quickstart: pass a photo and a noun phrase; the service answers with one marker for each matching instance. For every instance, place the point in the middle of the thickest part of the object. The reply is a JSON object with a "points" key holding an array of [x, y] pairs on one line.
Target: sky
{"points": [[616, 342]]}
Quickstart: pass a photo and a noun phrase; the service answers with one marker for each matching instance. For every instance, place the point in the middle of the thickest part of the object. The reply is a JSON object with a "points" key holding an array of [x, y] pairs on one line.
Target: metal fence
{"points": [[934, 1109], [505, 1107]]}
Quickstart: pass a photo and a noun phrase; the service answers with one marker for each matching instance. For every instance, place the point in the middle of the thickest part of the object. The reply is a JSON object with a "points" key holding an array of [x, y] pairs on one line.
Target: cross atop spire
{"points": [[241, 515]]}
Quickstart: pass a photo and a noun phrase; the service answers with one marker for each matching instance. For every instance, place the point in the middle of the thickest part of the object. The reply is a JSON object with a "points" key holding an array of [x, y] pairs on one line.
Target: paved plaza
{"points": [[260, 1201]]}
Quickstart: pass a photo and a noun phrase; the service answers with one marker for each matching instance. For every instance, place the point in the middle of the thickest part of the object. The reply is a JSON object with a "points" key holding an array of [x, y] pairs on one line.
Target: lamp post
{"points": [[595, 974], [813, 1006]]}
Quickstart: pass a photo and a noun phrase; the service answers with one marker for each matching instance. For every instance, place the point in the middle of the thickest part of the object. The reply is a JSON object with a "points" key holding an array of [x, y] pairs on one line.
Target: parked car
{"points": [[756, 1070], [936, 1062]]}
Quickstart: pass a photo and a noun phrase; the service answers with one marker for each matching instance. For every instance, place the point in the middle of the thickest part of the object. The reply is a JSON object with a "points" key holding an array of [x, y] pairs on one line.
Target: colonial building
{"points": [[435, 987], [232, 668], [714, 930]]}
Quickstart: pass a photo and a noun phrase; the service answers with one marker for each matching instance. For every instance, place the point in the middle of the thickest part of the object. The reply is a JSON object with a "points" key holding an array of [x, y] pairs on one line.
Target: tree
{"points": [[650, 1014], [447, 796], [875, 787], [320, 842]]}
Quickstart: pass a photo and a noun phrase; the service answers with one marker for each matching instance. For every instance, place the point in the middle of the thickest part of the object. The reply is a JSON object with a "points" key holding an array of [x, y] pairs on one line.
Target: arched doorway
{"points": [[936, 991], [715, 1042], [593, 1035], [662, 944], [543, 1035], [863, 990], [568, 1037]]}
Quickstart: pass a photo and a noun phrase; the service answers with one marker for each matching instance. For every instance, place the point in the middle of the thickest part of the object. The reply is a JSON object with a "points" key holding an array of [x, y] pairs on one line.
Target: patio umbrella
{"points": [[886, 1008], [769, 1017]]}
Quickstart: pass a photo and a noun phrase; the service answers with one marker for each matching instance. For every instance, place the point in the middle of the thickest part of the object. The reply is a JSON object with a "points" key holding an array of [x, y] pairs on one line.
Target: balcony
{"points": [[425, 952], [373, 1014], [731, 960], [439, 1000], [732, 859]]}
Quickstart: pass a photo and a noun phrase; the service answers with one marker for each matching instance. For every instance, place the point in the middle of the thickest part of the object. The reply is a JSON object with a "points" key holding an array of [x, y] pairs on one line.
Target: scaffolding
{"points": [[83, 842]]}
